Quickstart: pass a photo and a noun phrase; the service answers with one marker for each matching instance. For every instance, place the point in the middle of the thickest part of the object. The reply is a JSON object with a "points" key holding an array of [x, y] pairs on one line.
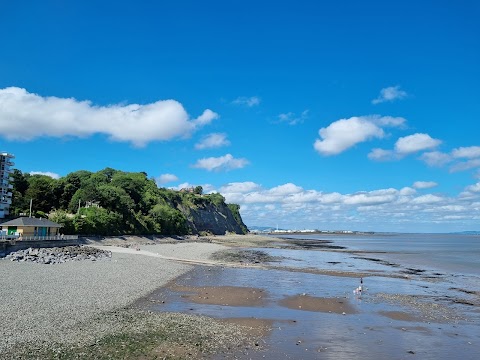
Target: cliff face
{"points": [[214, 218]]}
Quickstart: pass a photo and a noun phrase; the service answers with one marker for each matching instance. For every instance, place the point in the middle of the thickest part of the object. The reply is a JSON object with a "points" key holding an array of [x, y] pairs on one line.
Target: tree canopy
{"points": [[113, 202]]}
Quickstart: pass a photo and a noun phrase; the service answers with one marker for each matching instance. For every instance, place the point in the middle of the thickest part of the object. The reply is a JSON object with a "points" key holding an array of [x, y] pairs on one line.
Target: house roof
{"points": [[31, 221]]}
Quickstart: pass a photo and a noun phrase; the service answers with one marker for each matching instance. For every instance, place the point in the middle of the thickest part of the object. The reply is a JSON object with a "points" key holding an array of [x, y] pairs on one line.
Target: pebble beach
{"points": [[81, 302]]}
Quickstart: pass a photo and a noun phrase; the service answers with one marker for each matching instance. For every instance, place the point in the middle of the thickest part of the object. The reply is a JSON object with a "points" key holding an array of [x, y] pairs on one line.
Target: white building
{"points": [[5, 186]]}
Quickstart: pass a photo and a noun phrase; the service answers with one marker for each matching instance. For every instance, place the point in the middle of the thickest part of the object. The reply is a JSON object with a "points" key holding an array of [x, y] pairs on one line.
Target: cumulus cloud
{"points": [[389, 121], [465, 165], [470, 152], [382, 155], [285, 189], [459, 159], [166, 178], [416, 142], [222, 163], [411, 144], [247, 101], [427, 199], [424, 184], [475, 188], [46, 173], [345, 133], [293, 119], [25, 116], [214, 140], [368, 199], [390, 94], [435, 158], [240, 187], [389, 209]]}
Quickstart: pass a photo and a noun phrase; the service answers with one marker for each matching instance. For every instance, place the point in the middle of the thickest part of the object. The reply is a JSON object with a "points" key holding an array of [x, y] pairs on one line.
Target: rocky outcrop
{"points": [[59, 255], [216, 219]]}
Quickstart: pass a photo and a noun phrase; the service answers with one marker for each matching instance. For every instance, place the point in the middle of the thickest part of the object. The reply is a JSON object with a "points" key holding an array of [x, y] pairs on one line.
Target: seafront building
{"points": [[5, 183], [28, 227]]}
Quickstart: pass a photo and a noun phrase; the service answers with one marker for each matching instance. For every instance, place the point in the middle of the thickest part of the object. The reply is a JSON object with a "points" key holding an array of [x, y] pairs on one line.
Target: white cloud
{"points": [[240, 187], [345, 133], [285, 189], [435, 158], [390, 94], [25, 116], [382, 155], [222, 163], [206, 117], [389, 121], [406, 191], [46, 173], [166, 178], [293, 119], [214, 140], [465, 165], [416, 142], [368, 199], [439, 159], [427, 199], [475, 188], [470, 152], [292, 206], [247, 101], [424, 184]]}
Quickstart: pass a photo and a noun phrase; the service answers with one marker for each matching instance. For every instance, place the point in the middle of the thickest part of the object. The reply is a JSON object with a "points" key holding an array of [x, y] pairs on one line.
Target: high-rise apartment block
{"points": [[5, 183]]}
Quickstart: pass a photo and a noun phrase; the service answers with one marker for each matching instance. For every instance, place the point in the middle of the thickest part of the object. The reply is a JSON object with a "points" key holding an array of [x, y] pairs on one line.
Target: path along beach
{"points": [[173, 299]]}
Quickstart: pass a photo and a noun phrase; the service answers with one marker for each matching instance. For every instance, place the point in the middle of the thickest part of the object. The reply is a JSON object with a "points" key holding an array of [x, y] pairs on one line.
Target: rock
{"points": [[59, 255]]}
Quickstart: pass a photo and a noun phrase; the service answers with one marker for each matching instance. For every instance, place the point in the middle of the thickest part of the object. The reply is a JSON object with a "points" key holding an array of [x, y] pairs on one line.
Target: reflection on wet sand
{"points": [[223, 295], [310, 303], [400, 315]]}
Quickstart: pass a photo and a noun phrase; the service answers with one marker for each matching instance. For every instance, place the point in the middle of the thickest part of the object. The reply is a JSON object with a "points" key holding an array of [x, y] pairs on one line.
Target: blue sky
{"points": [[358, 115]]}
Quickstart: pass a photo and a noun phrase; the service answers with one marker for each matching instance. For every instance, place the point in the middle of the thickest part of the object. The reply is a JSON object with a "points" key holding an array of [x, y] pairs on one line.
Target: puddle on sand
{"points": [[222, 295], [310, 303], [317, 330]]}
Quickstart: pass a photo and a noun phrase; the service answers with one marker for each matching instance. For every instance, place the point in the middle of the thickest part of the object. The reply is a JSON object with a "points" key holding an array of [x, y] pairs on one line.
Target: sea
{"points": [[450, 253]]}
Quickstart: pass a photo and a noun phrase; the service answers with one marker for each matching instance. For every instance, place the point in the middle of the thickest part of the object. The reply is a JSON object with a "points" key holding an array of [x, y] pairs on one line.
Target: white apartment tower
{"points": [[5, 186]]}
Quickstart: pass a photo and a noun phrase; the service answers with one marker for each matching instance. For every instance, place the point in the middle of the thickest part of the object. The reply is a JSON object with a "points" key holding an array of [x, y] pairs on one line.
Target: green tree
{"points": [[65, 219], [116, 199], [171, 221], [98, 221], [41, 191], [132, 183]]}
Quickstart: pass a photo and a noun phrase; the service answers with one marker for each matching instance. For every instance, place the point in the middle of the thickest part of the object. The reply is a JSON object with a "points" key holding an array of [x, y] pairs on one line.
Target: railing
{"points": [[36, 238]]}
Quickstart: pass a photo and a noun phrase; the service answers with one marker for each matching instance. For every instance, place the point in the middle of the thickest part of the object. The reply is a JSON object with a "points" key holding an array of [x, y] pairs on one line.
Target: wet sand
{"points": [[312, 313], [327, 305], [222, 295], [311, 316]]}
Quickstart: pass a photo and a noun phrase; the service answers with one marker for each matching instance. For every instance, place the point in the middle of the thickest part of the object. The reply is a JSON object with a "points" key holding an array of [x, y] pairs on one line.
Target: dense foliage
{"points": [[111, 202]]}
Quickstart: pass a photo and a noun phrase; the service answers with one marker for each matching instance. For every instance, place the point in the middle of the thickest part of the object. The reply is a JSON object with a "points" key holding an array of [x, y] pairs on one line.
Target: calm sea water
{"points": [[457, 253]]}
